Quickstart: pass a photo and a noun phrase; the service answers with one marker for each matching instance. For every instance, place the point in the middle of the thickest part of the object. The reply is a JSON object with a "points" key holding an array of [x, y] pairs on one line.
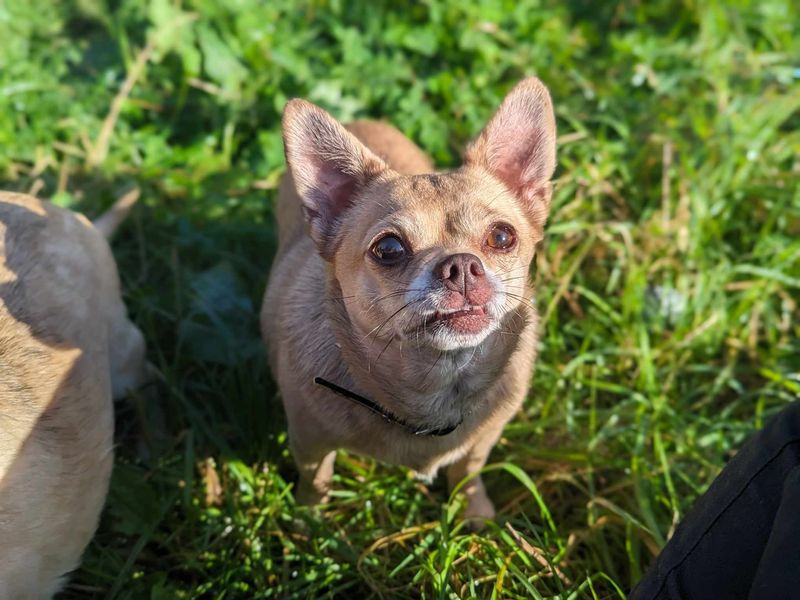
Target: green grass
{"points": [[669, 280]]}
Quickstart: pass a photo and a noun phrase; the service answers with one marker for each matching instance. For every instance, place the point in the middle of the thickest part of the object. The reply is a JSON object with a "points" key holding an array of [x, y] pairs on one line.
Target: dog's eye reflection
{"points": [[501, 237], [388, 250]]}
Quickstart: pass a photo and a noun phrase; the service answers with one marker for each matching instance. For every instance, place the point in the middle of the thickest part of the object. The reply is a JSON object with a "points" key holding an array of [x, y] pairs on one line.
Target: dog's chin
{"points": [[449, 341], [457, 330]]}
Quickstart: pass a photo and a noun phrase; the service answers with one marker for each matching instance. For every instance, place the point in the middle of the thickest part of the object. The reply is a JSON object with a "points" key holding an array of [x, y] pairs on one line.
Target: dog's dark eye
{"points": [[388, 250], [501, 237]]}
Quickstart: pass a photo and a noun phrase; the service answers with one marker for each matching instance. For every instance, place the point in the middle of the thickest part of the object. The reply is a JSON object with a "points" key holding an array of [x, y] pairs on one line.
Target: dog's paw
{"points": [[479, 510], [310, 497]]}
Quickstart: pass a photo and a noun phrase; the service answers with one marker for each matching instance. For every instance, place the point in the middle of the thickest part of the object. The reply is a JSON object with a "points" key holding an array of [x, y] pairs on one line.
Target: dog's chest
{"points": [[455, 380]]}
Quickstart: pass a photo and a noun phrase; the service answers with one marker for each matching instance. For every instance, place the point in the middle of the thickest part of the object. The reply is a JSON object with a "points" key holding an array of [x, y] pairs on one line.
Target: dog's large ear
{"points": [[518, 146], [329, 167]]}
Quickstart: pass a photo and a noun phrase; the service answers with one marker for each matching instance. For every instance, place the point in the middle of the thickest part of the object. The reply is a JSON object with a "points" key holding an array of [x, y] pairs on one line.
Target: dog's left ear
{"points": [[329, 166], [518, 146]]}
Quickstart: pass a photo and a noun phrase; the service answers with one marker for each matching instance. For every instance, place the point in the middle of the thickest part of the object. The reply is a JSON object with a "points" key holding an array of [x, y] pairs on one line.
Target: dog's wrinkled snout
{"points": [[464, 274]]}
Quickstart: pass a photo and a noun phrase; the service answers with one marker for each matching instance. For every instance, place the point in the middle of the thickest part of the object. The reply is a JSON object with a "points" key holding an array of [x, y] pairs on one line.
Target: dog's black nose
{"points": [[460, 271]]}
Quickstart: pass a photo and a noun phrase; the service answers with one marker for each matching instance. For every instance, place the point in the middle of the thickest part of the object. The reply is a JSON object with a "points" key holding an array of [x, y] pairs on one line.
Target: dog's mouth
{"points": [[472, 319]]}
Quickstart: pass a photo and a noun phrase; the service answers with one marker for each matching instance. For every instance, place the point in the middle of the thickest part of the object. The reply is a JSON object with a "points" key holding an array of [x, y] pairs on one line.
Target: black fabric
{"points": [[778, 574], [742, 537]]}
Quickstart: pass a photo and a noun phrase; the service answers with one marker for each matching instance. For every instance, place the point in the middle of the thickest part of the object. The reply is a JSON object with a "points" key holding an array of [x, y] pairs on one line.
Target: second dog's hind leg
{"points": [[129, 369]]}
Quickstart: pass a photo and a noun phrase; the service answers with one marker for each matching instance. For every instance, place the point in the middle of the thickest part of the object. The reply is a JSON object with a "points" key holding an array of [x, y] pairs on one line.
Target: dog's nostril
{"points": [[452, 272], [476, 269]]}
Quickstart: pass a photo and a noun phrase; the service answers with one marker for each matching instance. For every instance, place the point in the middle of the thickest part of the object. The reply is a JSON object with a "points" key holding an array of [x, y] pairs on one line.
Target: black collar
{"points": [[385, 413]]}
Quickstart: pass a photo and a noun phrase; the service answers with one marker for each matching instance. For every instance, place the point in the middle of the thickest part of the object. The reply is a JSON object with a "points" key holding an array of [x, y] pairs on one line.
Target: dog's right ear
{"points": [[329, 166], [518, 146]]}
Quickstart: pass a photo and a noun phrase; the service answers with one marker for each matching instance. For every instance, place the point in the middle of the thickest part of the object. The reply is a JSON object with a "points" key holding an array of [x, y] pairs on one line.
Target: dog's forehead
{"points": [[443, 204], [435, 189]]}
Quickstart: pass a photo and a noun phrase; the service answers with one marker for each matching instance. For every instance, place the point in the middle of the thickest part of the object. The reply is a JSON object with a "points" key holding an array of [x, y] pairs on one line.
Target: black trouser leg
{"points": [[742, 537]]}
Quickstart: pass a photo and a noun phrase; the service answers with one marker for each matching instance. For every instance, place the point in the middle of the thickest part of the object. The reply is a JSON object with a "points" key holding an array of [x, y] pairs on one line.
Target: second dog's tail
{"points": [[108, 222]]}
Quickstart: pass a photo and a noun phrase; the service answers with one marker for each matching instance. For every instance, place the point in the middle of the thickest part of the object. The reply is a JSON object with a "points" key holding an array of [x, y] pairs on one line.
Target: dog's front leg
{"points": [[479, 505], [316, 475]]}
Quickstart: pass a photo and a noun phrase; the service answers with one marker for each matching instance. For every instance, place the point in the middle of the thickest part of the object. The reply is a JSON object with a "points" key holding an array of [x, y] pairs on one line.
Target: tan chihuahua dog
{"points": [[65, 345], [402, 325]]}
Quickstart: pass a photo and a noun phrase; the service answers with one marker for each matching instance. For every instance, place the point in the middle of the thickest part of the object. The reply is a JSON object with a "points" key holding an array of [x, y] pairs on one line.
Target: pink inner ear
{"points": [[518, 162], [510, 173], [336, 190]]}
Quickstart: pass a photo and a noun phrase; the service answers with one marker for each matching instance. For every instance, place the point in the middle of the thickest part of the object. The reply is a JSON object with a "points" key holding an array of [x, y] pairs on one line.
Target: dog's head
{"points": [[436, 259]]}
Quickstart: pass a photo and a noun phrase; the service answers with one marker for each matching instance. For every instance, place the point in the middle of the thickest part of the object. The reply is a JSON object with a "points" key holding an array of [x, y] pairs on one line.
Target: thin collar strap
{"points": [[384, 412]]}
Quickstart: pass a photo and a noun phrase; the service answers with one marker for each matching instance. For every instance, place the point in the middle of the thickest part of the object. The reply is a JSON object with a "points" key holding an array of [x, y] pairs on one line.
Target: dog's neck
{"points": [[420, 384]]}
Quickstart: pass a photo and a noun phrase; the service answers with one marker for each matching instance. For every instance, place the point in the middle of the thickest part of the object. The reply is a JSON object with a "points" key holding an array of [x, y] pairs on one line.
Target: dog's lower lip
{"points": [[472, 319], [454, 314]]}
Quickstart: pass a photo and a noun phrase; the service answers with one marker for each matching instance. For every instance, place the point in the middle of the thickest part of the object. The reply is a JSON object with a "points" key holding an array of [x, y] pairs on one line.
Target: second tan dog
{"points": [[401, 324], [66, 345]]}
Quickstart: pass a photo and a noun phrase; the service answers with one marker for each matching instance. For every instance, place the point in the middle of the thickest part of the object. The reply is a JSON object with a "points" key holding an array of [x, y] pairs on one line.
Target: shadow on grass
{"points": [[193, 272]]}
